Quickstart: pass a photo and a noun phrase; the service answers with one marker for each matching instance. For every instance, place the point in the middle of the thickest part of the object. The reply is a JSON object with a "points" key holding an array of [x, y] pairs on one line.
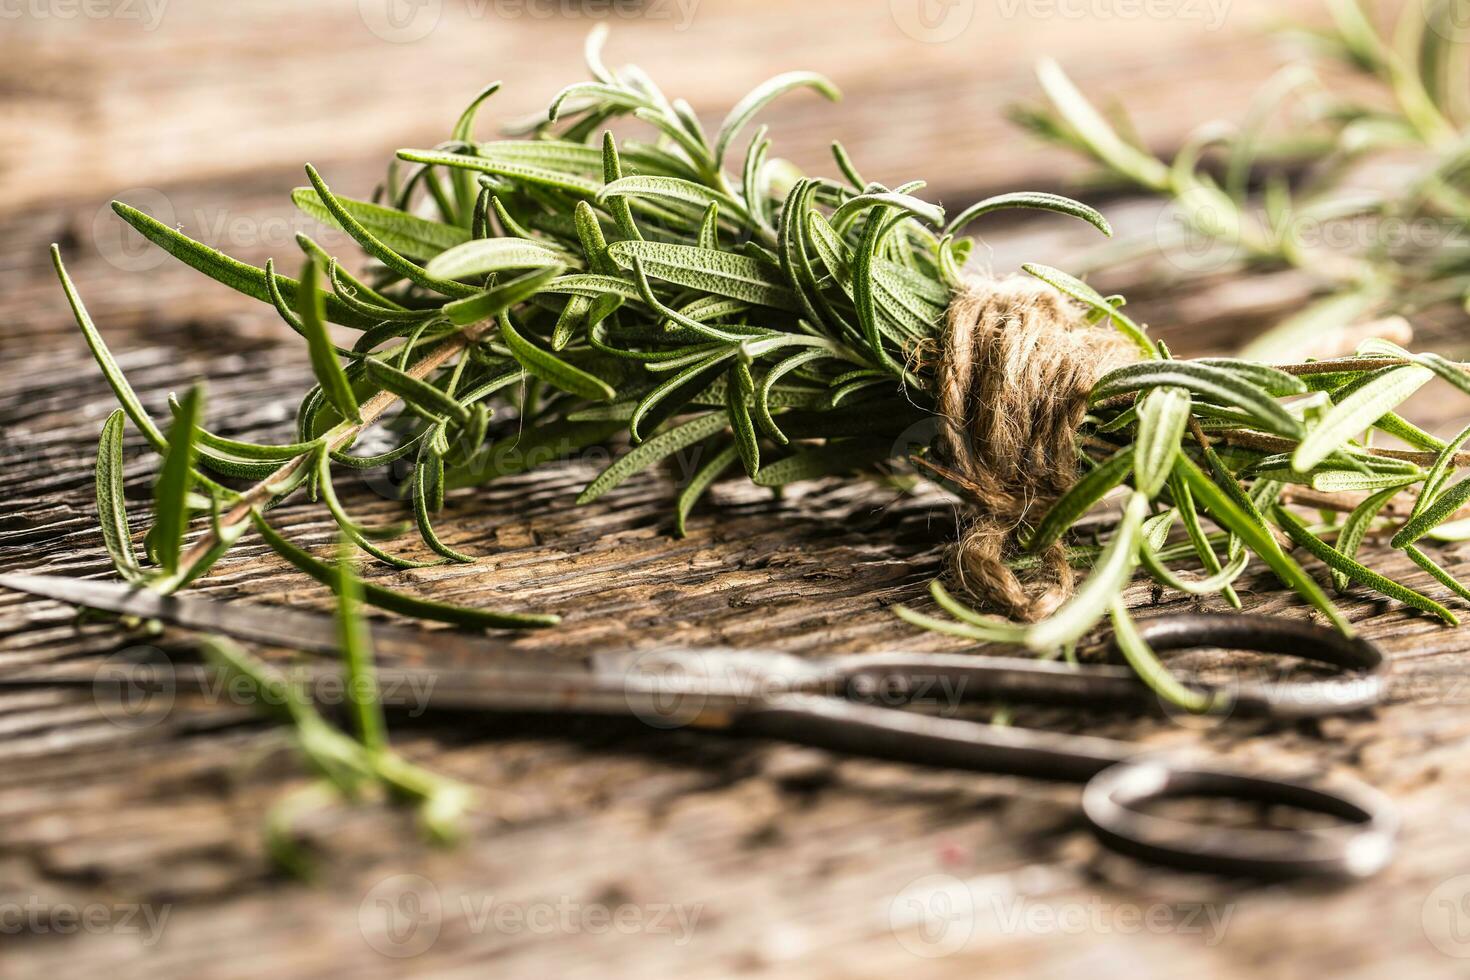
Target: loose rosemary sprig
{"points": [[1395, 249], [529, 297], [349, 766]]}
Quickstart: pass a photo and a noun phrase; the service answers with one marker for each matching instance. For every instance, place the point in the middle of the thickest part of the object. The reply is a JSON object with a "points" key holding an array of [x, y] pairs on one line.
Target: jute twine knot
{"points": [[1016, 366]]}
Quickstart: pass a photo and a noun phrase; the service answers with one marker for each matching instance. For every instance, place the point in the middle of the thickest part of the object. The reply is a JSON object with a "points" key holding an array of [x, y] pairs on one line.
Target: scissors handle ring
{"points": [[1360, 685], [1261, 634], [1359, 846]]}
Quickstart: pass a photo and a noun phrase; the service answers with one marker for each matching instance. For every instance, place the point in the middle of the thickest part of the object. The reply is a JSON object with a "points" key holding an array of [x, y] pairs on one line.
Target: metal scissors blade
{"points": [[269, 625], [731, 671], [812, 701]]}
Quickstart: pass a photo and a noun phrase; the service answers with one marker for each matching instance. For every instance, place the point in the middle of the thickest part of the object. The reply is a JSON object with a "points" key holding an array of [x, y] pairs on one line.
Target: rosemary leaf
{"points": [[112, 510], [373, 246], [1435, 514], [237, 275], [497, 299], [699, 483], [1096, 596], [405, 233], [1146, 664], [719, 273], [1258, 538], [1030, 199], [1355, 571], [406, 605], [1077, 501], [1079, 290], [839, 456], [1213, 383], [116, 380], [357, 655], [175, 479], [737, 408], [311, 311], [1163, 414], [1356, 412], [760, 96], [428, 479], [651, 451], [489, 255], [1434, 568], [1355, 528], [552, 369], [417, 392]]}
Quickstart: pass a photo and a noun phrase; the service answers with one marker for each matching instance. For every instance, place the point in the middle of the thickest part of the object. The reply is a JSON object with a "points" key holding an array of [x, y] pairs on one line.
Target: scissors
{"points": [[846, 704]]}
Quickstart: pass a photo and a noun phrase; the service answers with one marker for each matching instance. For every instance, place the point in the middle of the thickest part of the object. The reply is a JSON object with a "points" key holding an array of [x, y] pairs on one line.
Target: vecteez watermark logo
{"points": [[1450, 19], [932, 21], [1209, 13], [1198, 232], [36, 916], [1215, 709], [678, 688], [123, 247], [1233, 688], [138, 687], [1445, 916], [1202, 231], [135, 688], [941, 21], [668, 692], [147, 14], [403, 915], [933, 916], [1436, 687], [407, 21], [938, 915], [401, 21]]}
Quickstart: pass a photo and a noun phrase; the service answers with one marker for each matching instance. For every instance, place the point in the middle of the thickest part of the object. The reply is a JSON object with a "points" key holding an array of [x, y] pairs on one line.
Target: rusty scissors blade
{"points": [[969, 677], [846, 704]]}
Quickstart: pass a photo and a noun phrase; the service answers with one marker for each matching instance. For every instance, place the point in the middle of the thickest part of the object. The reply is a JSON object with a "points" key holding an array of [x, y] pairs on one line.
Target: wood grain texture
{"points": [[780, 861]]}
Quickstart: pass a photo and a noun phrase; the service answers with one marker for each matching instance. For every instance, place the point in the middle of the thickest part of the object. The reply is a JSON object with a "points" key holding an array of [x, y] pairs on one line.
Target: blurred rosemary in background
{"points": [[1352, 165]]}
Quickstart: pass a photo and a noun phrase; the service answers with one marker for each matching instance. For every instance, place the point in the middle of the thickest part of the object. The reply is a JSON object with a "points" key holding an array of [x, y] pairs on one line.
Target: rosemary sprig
{"points": [[559, 289], [348, 766]]}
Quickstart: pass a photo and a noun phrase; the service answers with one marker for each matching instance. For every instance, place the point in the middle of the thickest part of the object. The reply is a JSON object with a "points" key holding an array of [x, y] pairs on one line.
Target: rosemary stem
{"points": [[1276, 444], [1347, 364], [339, 437], [1340, 502]]}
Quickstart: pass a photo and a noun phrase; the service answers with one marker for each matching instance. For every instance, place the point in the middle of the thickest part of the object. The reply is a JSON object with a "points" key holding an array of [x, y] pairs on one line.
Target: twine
{"points": [[1017, 364]]}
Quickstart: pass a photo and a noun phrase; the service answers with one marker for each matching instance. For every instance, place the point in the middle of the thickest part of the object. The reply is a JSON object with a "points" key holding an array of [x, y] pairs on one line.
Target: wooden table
{"points": [[601, 848]]}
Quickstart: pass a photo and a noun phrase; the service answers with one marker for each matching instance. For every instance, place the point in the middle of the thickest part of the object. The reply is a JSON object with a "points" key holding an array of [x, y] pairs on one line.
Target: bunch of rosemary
{"points": [[565, 288], [1367, 193]]}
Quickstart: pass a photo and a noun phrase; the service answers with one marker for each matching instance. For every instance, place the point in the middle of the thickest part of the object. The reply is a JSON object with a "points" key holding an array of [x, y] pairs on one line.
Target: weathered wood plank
{"points": [[96, 107]]}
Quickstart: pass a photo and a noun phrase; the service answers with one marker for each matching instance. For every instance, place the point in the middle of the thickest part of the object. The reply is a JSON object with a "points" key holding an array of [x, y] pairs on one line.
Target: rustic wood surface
{"points": [[712, 857]]}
